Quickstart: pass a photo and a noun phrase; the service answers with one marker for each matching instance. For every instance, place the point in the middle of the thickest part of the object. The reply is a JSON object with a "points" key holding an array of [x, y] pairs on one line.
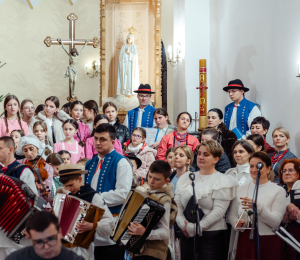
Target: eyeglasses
{"points": [[50, 241], [136, 136], [288, 171], [144, 96]]}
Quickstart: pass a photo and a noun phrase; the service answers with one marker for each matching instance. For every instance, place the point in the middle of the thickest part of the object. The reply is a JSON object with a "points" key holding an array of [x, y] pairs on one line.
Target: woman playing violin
{"points": [[29, 146]]}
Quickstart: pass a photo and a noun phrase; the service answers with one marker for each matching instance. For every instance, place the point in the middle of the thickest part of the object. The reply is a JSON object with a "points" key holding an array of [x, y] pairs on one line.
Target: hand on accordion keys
{"points": [[136, 229], [84, 226]]}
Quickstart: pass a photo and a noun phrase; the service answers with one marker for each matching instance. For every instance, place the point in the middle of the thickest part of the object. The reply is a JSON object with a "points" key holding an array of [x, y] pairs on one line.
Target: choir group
{"points": [[205, 183]]}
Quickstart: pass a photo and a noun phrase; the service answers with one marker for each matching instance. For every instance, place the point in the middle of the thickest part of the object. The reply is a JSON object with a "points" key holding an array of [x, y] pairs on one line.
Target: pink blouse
{"points": [[48, 182], [76, 151], [83, 131], [90, 150], [12, 125]]}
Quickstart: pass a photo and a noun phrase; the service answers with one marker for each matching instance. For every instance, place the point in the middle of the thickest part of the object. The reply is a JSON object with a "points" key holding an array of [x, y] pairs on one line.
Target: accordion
{"points": [[17, 203], [139, 208], [70, 211]]}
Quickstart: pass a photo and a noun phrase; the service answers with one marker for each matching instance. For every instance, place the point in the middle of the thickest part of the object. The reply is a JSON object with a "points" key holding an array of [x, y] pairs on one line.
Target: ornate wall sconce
{"points": [[94, 66], [174, 63]]}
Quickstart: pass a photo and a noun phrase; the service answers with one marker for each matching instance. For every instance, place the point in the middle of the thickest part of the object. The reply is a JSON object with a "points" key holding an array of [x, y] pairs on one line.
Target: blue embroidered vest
{"points": [[17, 173], [147, 118], [243, 111], [108, 174]]}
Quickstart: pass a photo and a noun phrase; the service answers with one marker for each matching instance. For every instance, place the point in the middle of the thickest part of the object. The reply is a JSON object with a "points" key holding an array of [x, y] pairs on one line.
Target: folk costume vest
{"points": [[147, 118], [107, 176], [15, 173], [243, 111]]}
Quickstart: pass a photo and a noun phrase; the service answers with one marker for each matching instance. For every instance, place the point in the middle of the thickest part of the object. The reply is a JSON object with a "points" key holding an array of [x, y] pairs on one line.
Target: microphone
{"points": [[192, 176], [259, 165]]}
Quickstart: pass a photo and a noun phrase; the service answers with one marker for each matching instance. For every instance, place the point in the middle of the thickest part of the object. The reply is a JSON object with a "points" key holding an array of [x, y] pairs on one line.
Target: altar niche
{"points": [[117, 16]]}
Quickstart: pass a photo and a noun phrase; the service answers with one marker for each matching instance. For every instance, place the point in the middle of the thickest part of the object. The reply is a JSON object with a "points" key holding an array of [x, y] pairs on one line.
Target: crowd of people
{"points": [[94, 157]]}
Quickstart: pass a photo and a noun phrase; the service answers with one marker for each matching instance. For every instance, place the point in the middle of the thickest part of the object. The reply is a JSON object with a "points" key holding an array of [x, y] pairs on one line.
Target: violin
{"points": [[40, 174]]}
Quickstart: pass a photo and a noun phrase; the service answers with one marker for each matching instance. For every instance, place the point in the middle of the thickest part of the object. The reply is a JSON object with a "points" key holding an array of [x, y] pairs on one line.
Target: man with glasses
{"points": [[43, 230], [240, 113], [141, 116]]}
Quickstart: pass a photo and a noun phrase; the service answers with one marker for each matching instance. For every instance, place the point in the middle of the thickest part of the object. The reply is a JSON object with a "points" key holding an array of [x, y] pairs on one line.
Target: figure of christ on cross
{"points": [[72, 70]]}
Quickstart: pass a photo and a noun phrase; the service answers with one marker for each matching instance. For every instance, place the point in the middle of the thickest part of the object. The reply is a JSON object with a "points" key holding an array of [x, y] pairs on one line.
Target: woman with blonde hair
{"points": [[281, 138], [214, 192]]}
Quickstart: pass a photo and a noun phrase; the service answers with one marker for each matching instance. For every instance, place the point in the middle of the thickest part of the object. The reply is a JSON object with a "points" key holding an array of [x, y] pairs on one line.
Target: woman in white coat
{"points": [[270, 207]]}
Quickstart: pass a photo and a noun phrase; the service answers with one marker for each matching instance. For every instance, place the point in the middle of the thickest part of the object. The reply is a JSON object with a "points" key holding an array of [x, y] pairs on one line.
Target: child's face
{"points": [[73, 185], [134, 166], [55, 169], [77, 112], [170, 159], [88, 113], [111, 113], [156, 180], [16, 136], [12, 107], [69, 131], [28, 109], [137, 137], [67, 158], [40, 133]]}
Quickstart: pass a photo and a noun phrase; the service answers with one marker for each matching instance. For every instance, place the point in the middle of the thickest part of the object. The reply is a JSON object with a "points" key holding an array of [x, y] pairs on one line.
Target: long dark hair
{"points": [[73, 104], [75, 124], [92, 104], [163, 112], [54, 99], [98, 118], [258, 140], [6, 100]]}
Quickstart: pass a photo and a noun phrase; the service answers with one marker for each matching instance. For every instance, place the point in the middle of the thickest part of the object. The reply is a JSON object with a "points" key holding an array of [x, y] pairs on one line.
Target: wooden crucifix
{"points": [[72, 70]]}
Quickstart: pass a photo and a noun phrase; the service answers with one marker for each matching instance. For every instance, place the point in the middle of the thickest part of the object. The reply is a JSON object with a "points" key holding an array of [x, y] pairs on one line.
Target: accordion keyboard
{"points": [[139, 218]]}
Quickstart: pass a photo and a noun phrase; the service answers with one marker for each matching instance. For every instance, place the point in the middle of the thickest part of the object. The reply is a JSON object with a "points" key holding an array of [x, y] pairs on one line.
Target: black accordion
{"points": [[138, 207]]}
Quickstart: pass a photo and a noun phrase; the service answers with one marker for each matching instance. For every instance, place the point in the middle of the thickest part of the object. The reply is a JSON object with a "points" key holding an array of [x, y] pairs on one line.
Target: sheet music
{"points": [[151, 134]]}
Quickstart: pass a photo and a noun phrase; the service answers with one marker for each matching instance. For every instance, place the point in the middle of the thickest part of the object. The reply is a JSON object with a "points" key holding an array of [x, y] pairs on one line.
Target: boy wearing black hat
{"points": [[240, 113], [70, 177], [141, 116]]}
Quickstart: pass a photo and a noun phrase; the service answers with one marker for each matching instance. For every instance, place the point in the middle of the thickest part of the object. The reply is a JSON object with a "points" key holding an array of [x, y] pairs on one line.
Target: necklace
{"points": [[277, 158]]}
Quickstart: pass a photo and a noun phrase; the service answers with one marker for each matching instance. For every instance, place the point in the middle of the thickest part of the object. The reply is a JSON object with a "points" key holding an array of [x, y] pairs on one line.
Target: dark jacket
{"points": [[222, 165], [227, 140], [122, 132]]}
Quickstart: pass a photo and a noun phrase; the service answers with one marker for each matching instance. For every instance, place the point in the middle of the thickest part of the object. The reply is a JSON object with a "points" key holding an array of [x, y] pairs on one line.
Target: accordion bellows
{"points": [[137, 207], [70, 211], [14, 209]]}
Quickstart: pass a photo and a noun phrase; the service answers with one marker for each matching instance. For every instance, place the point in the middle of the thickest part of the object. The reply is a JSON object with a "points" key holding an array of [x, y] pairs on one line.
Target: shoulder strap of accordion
{"points": [[15, 168], [92, 231]]}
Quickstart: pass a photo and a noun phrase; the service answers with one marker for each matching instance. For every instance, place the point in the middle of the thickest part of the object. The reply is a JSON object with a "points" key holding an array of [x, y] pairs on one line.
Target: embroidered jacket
{"points": [[147, 118], [243, 112], [108, 174], [17, 173]]}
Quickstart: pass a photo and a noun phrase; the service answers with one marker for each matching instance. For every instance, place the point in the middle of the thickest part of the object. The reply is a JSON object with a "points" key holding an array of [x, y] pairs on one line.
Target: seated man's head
{"points": [[260, 126], [210, 134], [7, 148], [104, 138], [158, 175], [43, 230]]}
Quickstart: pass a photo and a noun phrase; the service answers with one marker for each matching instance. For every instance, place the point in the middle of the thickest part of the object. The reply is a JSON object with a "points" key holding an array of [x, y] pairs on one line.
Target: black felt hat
{"points": [[235, 84], [133, 157], [145, 89]]}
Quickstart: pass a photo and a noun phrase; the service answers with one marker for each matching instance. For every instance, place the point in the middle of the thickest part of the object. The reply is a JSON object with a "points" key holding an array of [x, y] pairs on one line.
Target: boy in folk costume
{"points": [[110, 174], [70, 177], [240, 113], [158, 188], [9, 166]]}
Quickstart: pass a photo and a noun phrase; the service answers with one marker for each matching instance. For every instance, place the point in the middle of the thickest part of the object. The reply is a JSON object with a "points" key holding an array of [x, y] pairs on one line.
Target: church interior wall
{"points": [[258, 42], [34, 70]]}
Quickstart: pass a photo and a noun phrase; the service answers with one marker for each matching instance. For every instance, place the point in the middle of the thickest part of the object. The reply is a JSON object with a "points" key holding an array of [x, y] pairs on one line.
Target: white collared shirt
{"points": [[139, 119]]}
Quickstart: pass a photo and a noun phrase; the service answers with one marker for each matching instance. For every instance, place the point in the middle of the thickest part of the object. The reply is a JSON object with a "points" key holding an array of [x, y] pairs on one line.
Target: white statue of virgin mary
{"points": [[128, 71]]}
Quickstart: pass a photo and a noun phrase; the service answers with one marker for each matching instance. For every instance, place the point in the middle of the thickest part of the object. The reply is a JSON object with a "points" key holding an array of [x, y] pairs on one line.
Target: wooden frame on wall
{"points": [[157, 52]]}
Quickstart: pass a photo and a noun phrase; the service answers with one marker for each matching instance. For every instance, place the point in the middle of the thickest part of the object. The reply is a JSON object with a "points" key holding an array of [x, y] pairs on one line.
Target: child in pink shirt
{"points": [[70, 127], [12, 120], [90, 150]]}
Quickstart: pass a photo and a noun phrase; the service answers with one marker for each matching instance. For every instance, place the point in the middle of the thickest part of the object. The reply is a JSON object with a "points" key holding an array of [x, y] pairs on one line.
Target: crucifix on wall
{"points": [[72, 70]]}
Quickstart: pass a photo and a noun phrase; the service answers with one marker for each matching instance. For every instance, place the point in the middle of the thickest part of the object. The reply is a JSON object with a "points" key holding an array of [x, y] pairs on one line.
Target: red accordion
{"points": [[17, 203]]}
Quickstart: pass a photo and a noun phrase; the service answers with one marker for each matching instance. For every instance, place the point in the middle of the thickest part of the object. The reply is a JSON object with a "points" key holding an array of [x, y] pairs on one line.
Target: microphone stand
{"points": [[255, 215], [198, 229]]}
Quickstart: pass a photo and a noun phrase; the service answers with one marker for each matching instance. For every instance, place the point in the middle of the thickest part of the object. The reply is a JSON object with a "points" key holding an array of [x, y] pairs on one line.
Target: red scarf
{"points": [[180, 137], [277, 158]]}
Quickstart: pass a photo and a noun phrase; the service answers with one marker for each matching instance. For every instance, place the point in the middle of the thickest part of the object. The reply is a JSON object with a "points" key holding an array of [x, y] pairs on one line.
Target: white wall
{"points": [[259, 42], [35, 71]]}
